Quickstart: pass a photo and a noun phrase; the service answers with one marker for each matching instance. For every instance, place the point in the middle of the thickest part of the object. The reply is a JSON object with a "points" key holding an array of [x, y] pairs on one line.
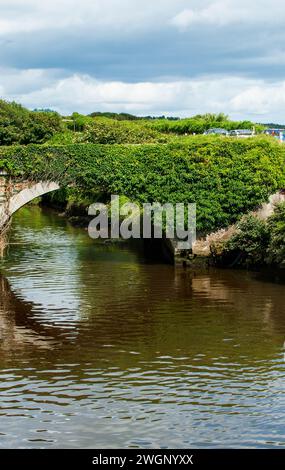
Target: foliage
{"points": [[117, 116], [250, 242], [257, 242], [106, 131], [20, 126], [78, 122], [102, 130], [225, 177], [276, 226], [200, 123], [66, 138], [130, 117], [124, 128]]}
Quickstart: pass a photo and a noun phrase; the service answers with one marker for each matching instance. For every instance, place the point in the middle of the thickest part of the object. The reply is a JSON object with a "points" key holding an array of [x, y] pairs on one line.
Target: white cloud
{"points": [[95, 15], [27, 25], [18, 82], [241, 98], [31, 29], [261, 99], [23, 16], [226, 12]]}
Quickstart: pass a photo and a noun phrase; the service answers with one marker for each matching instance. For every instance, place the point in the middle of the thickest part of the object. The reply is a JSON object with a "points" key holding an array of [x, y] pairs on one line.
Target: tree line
{"points": [[18, 125]]}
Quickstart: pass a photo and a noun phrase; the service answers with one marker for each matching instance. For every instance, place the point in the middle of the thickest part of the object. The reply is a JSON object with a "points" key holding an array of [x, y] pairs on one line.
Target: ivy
{"points": [[225, 177]]}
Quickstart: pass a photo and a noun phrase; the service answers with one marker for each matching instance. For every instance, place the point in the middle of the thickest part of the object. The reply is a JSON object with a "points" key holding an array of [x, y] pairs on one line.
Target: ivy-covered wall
{"points": [[225, 177]]}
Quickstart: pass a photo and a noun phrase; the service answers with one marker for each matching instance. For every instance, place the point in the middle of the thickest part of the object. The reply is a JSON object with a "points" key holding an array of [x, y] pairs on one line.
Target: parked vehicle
{"points": [[275, 132], [243, 133], [216, 131]]}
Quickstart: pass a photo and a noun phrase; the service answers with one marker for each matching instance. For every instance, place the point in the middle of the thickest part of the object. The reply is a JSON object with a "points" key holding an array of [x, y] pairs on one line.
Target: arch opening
{"points": [[19, 199]]}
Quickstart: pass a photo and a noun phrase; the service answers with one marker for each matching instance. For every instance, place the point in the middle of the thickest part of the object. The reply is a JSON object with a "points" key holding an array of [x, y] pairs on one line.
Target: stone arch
{"points": [[28, 194], [22, 196]]}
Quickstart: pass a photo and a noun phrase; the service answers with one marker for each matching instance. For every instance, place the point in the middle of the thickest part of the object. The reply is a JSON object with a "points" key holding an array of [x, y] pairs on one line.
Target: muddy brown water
{"points": [[101, 348]]}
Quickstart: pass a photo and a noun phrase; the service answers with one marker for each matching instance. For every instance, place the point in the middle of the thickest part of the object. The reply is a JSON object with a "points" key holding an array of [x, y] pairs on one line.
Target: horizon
{"points": [[150, 116]]}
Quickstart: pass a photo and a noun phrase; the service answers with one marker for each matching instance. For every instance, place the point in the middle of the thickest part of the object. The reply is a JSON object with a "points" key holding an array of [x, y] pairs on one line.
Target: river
{"points": [[102, 348]]}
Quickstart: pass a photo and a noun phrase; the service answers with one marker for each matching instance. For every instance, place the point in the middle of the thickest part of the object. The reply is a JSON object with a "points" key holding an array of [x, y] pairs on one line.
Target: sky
{"points": [[171, 57]]}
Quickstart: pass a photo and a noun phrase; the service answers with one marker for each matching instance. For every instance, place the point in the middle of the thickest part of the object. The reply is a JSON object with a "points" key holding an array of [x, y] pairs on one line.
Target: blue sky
{"points": [[173, 57]]}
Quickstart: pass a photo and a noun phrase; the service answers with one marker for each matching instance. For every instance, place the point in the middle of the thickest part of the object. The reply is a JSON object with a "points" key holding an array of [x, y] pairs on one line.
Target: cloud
{"points": [[227, 12], [218, 14], [141, 56], [140, 40], [261, 99], [18, 82], [93, 15], [239, 97]]}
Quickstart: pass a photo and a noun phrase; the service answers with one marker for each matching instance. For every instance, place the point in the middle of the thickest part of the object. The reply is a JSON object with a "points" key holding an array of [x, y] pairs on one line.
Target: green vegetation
{"points": [[257, 242], [129, 117], [102, 129], [276, 228], [146, 159], [225, 177], [201, 123], [249, 245], [107, 131], [20, 126]]}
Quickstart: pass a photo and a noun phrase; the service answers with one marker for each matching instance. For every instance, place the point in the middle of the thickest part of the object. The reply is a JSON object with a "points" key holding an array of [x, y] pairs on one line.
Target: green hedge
{"points": [[225, 177], [200, 123]]}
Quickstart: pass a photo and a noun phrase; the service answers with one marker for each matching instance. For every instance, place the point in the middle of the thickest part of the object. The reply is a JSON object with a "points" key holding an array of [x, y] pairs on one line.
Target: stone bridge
{"points": [[14, 194]]}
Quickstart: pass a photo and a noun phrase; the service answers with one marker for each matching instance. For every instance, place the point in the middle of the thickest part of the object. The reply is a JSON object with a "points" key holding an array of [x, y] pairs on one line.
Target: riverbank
{"points": [[257, 242]]}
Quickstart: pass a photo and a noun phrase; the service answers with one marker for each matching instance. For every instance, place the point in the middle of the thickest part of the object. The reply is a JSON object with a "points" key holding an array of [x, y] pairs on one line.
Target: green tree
{"points": [[21, 126]]}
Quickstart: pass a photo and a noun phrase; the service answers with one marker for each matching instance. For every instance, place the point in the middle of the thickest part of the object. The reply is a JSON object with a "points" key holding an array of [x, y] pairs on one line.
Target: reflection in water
{"points": [[99, 348]]}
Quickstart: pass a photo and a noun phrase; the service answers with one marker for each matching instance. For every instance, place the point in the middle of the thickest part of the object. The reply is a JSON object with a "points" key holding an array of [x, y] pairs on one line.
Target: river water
{"points": [[101, 348]]}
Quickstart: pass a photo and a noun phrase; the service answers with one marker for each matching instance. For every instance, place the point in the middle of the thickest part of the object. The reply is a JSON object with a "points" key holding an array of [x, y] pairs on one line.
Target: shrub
{"points": [[276, 225], [106, 131], [250, 243]]}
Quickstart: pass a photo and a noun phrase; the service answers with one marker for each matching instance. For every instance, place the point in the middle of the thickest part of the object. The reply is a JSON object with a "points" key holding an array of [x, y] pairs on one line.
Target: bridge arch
{"points": [[28, 194], [18, 195]]}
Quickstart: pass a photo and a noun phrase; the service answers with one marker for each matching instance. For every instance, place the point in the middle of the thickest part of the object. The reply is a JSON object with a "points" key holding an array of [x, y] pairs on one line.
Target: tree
{"points": [[18, 125]]}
